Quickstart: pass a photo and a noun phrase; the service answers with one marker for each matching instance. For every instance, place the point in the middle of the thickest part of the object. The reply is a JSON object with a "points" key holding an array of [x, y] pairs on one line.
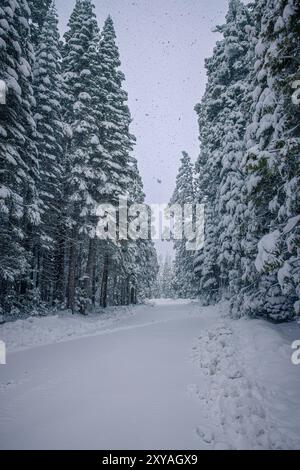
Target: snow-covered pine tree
{"points": [[133, 267], [144, 265], [184, 281], [147, 270], [48, 112], [238, 62], [223, 115], [81, 73], [115, 137], [272, 166], [38, 9], [208, 170], [165, 278], [114, 133], [19, 202]]}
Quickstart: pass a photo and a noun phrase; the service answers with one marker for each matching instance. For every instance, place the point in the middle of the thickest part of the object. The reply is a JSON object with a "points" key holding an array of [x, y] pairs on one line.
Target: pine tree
{"points": [[19, 202], [239, 62], [48, 95], [147, 270], [81, 78], [39, 10], [119, 166], [184, 281], [222, 117], [144, 264], [208, 168], [272, 166], [114, 133], [166, 276], [81, 72]]}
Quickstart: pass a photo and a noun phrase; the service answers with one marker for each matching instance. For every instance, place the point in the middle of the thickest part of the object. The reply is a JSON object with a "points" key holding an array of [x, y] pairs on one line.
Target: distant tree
{"points": [[166, 276], [184, 281]]}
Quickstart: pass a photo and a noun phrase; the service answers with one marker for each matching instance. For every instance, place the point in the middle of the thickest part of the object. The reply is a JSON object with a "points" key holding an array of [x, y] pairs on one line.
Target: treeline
{"points": [[65, 148], [248, 172]]}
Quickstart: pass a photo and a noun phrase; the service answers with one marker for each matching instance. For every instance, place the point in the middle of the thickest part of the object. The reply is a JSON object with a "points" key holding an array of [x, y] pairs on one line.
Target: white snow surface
{"points": [[37, 330], [165, 375]]}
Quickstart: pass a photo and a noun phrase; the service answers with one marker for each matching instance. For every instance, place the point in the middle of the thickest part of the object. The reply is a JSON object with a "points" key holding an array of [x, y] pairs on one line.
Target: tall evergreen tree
{"points": [[19, 202], [48, 95], [119, 166], [222, 118], [39, 10], [272, 166], [166, 276], [81, 72], [237, 32], [208, 168], [144, 264], [184, 281], [114, 133]]}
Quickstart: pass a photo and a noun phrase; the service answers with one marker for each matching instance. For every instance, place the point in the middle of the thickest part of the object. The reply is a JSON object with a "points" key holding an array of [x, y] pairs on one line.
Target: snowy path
{"points": [[170, 376]]}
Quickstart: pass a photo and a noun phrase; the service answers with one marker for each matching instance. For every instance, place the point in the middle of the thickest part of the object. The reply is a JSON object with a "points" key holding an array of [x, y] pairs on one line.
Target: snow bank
{"points": [[251, 388], [37, 331]]}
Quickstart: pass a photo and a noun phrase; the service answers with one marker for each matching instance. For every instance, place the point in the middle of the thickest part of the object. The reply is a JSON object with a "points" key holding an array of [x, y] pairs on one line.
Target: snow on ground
{"points": [[169, 374], [251, 390], [37, 330]]}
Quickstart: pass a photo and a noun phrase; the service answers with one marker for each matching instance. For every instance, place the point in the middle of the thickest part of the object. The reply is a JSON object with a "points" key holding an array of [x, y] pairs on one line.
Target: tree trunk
{"points": [[104, 282], [123, 292], [90, 270], [127, 291], [133, 295], [60, 266], [72, 273], [94, 278]]}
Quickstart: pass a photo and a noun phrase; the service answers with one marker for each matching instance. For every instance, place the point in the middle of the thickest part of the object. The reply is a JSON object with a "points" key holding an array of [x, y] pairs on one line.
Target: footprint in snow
{"points": [[205, 434], [234, 373]]}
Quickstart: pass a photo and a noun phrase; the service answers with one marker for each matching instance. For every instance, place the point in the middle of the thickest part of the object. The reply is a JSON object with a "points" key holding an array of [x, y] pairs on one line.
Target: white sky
{"points": [[163, 44]]}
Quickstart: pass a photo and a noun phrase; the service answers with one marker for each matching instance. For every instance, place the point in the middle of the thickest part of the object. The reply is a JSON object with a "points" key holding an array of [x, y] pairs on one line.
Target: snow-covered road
{"points": [[170, 376]]}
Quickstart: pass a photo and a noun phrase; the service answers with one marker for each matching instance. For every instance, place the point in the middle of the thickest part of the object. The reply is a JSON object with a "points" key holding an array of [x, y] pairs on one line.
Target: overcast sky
{"points": [[163, 44]]}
